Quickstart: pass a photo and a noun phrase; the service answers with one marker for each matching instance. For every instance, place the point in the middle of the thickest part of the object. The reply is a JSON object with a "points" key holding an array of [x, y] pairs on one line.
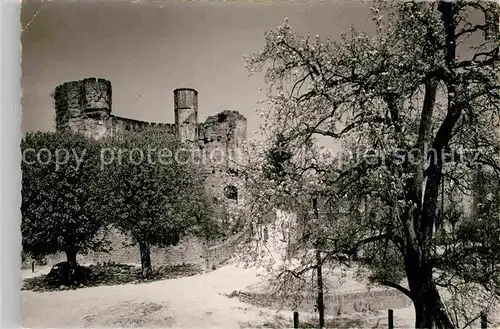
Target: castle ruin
{"points": [[85, 106]]}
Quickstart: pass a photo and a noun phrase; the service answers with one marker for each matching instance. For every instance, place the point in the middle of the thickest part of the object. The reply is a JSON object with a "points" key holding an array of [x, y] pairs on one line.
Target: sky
{"points": [[149, 48]]}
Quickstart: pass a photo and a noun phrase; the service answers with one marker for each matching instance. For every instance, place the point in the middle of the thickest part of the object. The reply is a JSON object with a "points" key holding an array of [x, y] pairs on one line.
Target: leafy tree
{"points": [[276, 158], [156, 193], [403, 104], [60, 195]]}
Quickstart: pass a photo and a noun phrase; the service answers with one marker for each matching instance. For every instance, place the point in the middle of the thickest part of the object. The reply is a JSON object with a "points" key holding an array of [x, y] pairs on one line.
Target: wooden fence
{"points": [[217, 255], [390, 320]]}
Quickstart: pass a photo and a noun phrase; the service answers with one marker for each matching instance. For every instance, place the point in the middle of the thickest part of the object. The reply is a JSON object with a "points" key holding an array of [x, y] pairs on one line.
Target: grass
{"points": [[131, 314], [115, 274]]}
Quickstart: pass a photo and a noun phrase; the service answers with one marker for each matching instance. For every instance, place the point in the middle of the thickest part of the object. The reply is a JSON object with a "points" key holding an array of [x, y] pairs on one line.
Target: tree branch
{"points": [[402, 289]]}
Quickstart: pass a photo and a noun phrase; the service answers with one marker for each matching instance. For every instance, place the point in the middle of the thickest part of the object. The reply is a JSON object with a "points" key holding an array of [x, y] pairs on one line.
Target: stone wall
{"points": [[335, 305], [225, 131], [90, 127], [121, 125], [186, 114], [220, 139], [68, 103], [85, 106], [189, 251], [96, 95], [217, 255]]}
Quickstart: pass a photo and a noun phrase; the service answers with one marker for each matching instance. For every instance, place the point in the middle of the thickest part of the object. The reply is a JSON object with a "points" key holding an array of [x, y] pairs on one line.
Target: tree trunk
{"points": [[71, 259], [147, 270], [71, 256], [429, 310], [424, 311]]}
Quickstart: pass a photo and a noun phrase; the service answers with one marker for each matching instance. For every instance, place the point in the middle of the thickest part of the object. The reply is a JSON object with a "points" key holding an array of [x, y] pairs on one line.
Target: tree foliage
{"points": [[156, 193], [60, 195], [414, 112]]}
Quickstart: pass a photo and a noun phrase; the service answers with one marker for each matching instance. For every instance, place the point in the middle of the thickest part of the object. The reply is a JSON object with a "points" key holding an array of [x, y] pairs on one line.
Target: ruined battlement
{"points": [[87, 98], [85, 106], [121, 124], [224, 126]]}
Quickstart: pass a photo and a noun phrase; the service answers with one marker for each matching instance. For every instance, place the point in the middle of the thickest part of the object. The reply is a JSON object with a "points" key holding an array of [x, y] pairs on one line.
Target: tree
{"points": [[60, 195], [277, 187], [156, 193], [422, 112]]}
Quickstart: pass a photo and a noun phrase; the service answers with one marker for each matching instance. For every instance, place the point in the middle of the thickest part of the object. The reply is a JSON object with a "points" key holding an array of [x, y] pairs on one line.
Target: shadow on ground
{"points": [[115, 274], [131, 314]]}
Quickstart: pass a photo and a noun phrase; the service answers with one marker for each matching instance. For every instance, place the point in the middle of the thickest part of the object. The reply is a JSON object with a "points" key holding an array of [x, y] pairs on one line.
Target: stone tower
{"points": [[84, 106], [186, 114]]}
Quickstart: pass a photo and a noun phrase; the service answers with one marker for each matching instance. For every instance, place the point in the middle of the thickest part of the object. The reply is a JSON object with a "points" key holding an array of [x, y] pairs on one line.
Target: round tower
{"points": [[97, 98], [84, 106], [186, 114], [68, 103]]}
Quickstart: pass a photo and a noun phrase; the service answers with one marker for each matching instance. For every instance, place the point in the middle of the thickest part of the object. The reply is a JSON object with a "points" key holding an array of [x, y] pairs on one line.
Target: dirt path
{"points": [[190, 302]]}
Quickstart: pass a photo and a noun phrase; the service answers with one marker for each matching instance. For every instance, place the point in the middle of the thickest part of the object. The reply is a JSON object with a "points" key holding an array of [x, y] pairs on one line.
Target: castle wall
{"points": [[221, 137], [121, 125], [113, 125], [96, 96], [68, 103], [91, 127], [189, 250], [85, 106]]}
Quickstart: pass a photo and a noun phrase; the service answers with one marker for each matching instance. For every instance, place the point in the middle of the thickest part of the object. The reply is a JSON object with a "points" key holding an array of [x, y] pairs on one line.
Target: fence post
{"points": [[484, 321], [391, 319], [33, 267], [295, 320]]}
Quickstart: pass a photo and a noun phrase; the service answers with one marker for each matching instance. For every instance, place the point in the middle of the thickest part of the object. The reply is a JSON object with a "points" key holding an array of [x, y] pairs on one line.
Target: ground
{"points": [[198, 301]]}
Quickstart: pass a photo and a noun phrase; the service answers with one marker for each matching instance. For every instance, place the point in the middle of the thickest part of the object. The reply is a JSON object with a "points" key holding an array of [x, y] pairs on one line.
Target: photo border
{"points": [[10, 194]]}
